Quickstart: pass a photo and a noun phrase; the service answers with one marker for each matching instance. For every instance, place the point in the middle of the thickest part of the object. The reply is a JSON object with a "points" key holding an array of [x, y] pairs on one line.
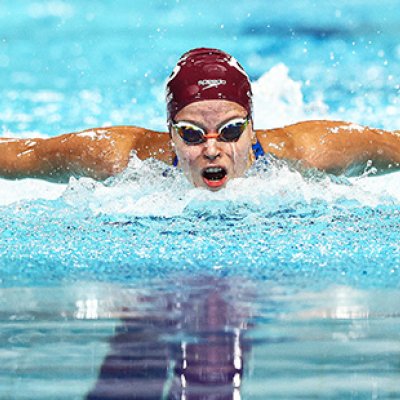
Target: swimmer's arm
{"points": [[335, 147], [96, 153]]}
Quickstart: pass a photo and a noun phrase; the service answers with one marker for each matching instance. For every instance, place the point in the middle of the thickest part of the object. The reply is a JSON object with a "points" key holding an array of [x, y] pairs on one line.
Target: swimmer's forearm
{"points": [[97, 153], [56, 159], [18, 158]]}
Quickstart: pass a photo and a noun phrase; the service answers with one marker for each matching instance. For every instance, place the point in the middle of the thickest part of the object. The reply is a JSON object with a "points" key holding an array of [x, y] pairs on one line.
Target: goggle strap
{"points": [[211, 135]]}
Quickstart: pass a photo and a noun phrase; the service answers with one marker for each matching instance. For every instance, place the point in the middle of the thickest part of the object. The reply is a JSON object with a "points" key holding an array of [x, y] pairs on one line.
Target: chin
{"points": [[214, 189]]}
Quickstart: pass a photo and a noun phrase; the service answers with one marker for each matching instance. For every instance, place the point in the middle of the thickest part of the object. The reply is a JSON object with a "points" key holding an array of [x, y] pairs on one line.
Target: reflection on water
{"points": [[225, 338], [191, 347], [207, 338]]}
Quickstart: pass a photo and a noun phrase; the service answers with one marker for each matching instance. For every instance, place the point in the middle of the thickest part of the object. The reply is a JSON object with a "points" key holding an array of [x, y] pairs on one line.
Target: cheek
{"points": [[240, 156], [187, 161], [187, 155]]}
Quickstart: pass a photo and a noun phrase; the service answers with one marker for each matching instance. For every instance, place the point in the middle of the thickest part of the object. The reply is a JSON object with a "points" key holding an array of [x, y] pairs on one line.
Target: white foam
{"points": [[28, 189], [142, 190], [279, 101]]}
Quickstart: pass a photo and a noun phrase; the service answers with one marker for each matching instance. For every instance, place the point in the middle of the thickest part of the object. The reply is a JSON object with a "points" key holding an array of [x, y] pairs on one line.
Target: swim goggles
{"points": [[192, 134]]}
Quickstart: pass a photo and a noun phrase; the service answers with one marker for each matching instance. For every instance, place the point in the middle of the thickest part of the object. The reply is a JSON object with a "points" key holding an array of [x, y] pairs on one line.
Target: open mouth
{"points": [[214, 176]]}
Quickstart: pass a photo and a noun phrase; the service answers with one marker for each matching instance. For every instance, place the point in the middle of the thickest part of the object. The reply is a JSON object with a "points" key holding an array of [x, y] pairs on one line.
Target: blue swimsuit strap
{"points": [[257, 149]]}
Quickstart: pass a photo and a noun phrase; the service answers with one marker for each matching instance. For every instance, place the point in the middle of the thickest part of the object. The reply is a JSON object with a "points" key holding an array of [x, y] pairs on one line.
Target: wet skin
{"points": [[232, 157]]}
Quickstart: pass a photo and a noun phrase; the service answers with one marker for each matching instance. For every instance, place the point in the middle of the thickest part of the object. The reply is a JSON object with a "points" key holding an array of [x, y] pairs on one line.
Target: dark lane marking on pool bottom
{"points": [[189, 346]]}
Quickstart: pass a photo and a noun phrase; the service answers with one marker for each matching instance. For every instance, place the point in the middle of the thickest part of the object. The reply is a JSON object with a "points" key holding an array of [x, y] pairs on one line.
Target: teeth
{"points": [[213, 170], [214, 173]]}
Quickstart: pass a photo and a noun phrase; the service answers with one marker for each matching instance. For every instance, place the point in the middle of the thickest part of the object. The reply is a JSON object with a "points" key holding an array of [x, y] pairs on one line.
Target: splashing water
{"points": [[150, 188], [278, 100]]}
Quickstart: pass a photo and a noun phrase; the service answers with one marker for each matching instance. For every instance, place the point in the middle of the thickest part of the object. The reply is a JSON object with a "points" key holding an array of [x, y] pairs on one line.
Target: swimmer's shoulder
{"points": [[145, 142], [336, 147], [277, 141], [292, 141]]}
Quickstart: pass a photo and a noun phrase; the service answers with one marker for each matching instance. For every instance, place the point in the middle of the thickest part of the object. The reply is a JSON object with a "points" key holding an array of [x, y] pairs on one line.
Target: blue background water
{"points": [[313, 262], [106, 62]]}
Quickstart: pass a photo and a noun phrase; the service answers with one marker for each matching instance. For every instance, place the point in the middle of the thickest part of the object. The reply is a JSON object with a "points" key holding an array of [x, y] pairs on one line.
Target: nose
{"points": [[211, 149]]}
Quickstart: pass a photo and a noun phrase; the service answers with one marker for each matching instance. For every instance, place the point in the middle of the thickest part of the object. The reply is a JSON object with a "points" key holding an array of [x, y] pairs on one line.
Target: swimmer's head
{"points": [[207, 74], [209, 107]]}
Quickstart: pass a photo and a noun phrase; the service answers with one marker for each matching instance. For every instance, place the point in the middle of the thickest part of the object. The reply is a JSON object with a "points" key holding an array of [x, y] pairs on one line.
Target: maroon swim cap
{"points": [[207, 74]]}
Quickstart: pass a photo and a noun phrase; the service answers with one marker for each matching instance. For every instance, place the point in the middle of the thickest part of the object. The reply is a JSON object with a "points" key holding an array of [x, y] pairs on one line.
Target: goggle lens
{"points": [[191, 134], [232, 131], [229, 132]]}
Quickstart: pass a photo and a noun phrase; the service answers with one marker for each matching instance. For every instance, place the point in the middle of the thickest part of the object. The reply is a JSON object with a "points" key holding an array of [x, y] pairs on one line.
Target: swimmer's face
{"points": [[213, 163]]}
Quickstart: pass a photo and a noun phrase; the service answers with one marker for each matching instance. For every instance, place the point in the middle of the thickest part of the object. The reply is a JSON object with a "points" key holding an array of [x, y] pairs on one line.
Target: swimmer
{"points": [[210, 136]]}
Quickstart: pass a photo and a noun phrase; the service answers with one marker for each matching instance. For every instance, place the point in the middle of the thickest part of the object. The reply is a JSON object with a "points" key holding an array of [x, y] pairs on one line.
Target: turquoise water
{"points": [[143, 287]]}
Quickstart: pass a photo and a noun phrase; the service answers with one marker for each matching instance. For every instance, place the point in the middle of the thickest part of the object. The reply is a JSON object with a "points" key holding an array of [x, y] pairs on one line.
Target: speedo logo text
{"points": [[210, 83]]}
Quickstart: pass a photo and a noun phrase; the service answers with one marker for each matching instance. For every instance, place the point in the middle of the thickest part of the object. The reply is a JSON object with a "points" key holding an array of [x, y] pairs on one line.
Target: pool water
{"points": [[279, 286]]}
